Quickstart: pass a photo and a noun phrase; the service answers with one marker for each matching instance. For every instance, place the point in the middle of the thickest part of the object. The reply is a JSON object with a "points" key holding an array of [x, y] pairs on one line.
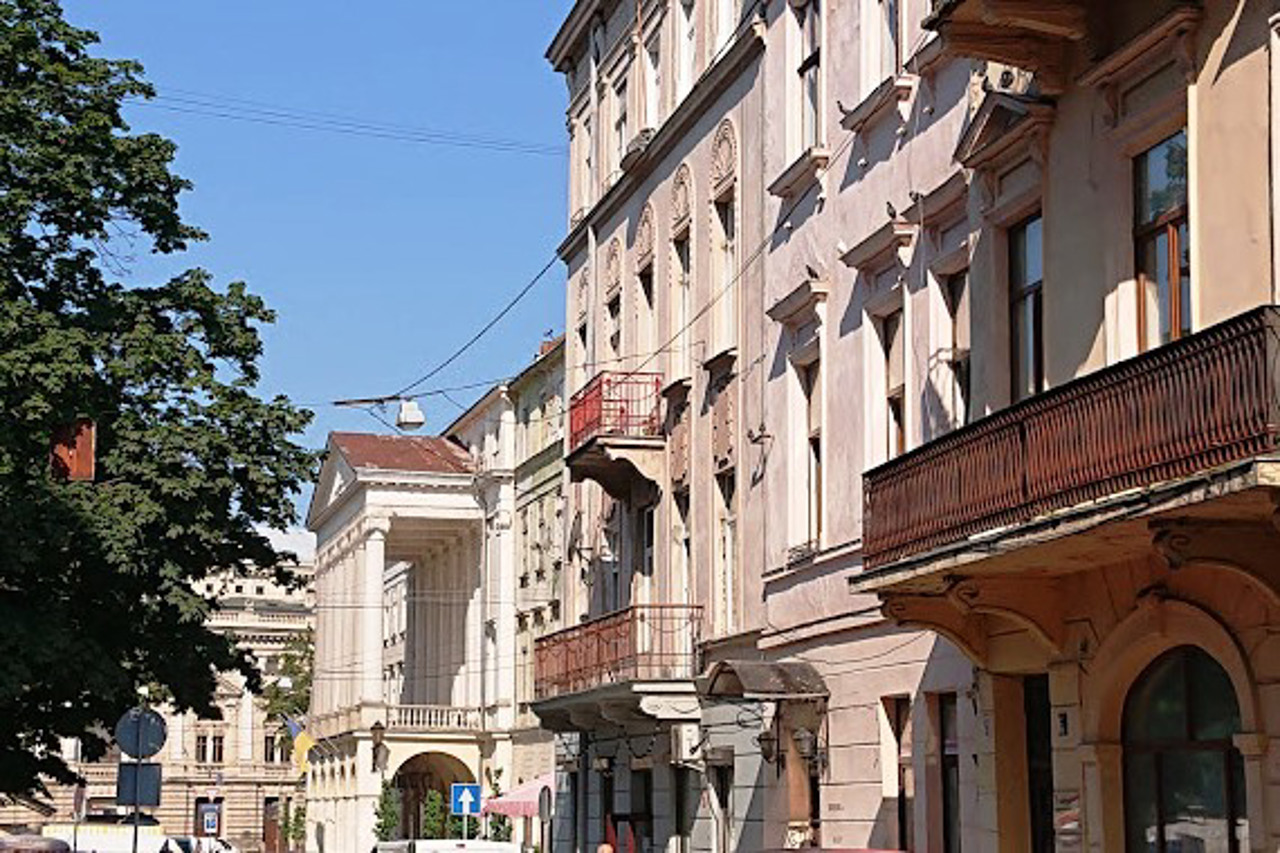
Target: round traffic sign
{"points": [[140, 733]]}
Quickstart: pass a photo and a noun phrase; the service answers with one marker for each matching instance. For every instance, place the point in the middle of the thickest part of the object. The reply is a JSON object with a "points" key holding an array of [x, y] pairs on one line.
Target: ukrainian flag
{"points": [[302, 743]]}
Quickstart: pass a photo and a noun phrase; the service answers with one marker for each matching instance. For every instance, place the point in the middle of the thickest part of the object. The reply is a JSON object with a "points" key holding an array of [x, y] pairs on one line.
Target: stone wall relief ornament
{"points": [[681, 190], [644, 235], [613, 266], [724, 155]]}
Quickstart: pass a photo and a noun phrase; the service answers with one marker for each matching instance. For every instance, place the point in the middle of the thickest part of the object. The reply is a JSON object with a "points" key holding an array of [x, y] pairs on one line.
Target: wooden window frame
{"points": [[1019, 293]]}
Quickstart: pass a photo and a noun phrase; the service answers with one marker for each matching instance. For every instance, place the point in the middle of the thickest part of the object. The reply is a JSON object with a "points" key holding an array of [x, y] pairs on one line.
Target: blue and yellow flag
{"points": [[302, 743]]}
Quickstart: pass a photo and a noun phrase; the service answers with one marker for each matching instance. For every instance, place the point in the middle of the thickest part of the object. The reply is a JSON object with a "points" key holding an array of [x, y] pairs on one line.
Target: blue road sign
{"points": [[464, 798]]}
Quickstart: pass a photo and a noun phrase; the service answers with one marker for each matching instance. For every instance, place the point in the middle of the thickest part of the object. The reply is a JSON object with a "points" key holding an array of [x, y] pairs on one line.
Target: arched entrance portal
{"points": [[1183, 777], [424, 772]]}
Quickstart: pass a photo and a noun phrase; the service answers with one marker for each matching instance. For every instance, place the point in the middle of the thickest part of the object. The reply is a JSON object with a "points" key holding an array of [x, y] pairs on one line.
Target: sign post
{"points": [[464, 800], [140, 732]]}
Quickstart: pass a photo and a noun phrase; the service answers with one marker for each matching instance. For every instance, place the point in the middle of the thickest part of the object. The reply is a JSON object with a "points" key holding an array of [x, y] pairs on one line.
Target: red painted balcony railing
{"points": [[647, 642], [617, 404], [1200, 402]]}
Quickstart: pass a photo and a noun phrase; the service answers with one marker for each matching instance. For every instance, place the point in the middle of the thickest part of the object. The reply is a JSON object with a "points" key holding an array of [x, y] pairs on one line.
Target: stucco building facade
{"points": [[427, 587], [731, 168], [922, 403]]}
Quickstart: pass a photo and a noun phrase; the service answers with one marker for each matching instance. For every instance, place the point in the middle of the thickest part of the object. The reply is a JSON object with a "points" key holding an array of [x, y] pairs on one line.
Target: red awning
{"points": [[522, 800]]}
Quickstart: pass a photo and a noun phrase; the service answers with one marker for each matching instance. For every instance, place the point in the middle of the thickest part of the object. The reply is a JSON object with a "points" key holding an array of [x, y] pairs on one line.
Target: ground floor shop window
{"points": [[1183, 778]]}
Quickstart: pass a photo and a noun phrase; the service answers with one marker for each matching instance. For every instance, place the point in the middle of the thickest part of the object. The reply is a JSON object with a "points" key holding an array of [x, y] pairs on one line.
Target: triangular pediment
{"points": [[336, 474], [1001, 122]]}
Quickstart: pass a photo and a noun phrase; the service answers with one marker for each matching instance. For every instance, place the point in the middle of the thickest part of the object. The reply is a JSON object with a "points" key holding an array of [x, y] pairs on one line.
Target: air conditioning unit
{"points": [[686, 743]]}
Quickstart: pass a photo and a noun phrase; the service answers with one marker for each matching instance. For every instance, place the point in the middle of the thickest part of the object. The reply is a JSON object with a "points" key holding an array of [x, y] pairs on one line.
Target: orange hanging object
{"points": [[71, 452]]}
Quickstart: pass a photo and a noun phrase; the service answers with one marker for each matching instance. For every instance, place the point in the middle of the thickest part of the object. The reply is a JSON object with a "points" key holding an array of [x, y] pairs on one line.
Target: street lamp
{"points": [[378, 732]]}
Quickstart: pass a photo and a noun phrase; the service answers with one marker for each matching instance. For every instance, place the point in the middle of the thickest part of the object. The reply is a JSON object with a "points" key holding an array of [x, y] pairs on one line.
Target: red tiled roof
{"points": [[548, 346], [427, 453]]}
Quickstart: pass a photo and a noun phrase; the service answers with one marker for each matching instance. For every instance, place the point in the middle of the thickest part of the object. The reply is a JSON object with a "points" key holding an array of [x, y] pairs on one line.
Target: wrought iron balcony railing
{"points": [[616, 404], [1206, 400], [649, 642]]}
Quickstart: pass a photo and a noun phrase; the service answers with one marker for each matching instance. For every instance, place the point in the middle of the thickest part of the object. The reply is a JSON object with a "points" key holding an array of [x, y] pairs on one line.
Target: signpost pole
{"points": [[137, 775]]}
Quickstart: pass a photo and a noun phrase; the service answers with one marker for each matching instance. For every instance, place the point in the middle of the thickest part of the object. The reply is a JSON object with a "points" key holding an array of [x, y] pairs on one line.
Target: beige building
{"points": [[435, 571], [922, 407], [232, 777], [733, 272], [1101, 534]]}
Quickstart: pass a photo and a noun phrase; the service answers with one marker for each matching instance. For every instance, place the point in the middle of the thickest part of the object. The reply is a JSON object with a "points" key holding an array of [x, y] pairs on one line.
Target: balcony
{"points": [[433, 718], [1146, 427], [615, 433], [616, 659]]}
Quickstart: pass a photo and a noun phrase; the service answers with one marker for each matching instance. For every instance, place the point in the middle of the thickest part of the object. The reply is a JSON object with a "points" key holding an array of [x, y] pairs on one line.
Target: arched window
{"points": [[1183, 778]]}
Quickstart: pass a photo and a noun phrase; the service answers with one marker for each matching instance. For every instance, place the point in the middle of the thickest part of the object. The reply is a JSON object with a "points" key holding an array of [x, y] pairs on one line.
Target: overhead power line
{"points": [[261, 112]]}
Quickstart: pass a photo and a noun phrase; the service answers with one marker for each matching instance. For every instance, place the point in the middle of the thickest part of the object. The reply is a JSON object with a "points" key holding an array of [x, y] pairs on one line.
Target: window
{"points": [[809, 18], [274, 750], [895, 430], [950, 767], [726, 266], [726, 551], [899, 711], [647, 327], [722, 791], [647, 542], [811, 385], [956, 292], [217, 755], [202, 749], [684, 550], [890, 38], [1162, 246], [684, 304], [653, 82], [687, 36], [1026, 273], [620, 138], [1183, 779], [615, 324], [588, 167]]}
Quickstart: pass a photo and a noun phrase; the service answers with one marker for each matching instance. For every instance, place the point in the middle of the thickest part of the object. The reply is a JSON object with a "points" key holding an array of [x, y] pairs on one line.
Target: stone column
{"points": [[373, 562], [1253, 749], [1102, 801], [474, 570]]}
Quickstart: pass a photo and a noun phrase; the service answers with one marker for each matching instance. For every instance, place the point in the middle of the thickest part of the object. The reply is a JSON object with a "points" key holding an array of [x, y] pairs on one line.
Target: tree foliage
{"points": [[386, 825], [289, 695], [96, 579]]}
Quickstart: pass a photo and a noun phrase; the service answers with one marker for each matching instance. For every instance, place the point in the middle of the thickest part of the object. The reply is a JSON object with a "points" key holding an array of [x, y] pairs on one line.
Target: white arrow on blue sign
{"points": [[464, 798]]}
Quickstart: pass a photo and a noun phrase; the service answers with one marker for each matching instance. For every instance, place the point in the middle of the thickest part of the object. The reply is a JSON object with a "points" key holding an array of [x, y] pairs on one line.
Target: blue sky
{"points": [[380, 255]]}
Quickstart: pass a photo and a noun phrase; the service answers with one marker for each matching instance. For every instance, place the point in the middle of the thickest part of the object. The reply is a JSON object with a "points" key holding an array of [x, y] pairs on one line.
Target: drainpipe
{"points": [[1273, 138]]}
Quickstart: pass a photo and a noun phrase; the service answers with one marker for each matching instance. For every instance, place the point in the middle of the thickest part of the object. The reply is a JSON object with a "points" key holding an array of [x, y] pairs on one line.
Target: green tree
{"points": [[290, 693], [435, 815], [97, 590], [387, 813]]}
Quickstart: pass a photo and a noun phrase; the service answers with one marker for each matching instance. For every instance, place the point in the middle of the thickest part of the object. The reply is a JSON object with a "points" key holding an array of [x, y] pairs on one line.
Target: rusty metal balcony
{"points": [[1199, 403], [615, 432], [627, 649]]}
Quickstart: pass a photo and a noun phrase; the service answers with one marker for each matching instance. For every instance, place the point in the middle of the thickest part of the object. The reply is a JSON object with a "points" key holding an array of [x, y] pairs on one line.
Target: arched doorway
{"points": [[1183, 777], [425, 772]]}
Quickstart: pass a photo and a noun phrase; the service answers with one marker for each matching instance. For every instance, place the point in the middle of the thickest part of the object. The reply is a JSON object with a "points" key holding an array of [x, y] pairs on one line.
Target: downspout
{"points": [[1273, 130]]}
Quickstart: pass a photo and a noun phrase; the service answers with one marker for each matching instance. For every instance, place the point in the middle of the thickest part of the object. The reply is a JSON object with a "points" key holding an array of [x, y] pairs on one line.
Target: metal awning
{"points": [[763, 680]]}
